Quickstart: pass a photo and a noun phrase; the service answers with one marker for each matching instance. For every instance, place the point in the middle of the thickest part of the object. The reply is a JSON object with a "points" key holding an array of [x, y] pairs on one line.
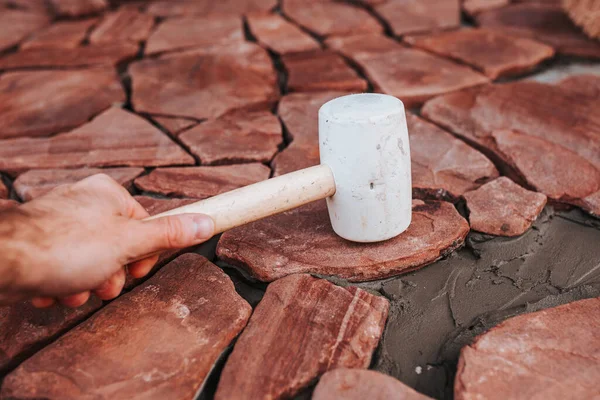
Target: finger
{"points": [[112, 287], [43, 302], [125, 204], [76, 300], [141, 268]]}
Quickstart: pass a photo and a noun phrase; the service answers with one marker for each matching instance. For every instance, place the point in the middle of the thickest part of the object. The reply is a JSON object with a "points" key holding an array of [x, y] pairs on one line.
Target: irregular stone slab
{"points": [[168, 8], [201, 182], [235, 138], [307, 326], [123, 25], [353, 46], [302, 241], [64, 35], [473, 7], [321, 70], [36, 183], [277, 34], [547, 23], [444, 167], [503, 208], [327, 18], [206, 84], [194, 32], [85, 56], [6, 204], [159, 341], [295, 157], [25, 329], [175, 125], [16, 25], [359, 384], [556, 73], [410, 16], [588, 85], [555, 340], [76, 97], [493, 53], [77, 8], [114, 138]]}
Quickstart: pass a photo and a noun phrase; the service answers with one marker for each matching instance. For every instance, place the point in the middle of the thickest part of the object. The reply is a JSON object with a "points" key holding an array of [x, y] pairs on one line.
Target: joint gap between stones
{"points": [[387, 28], [171, 136]]}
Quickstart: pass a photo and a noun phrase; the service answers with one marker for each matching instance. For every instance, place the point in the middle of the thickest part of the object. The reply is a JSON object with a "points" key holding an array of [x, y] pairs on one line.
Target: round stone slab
{"points": [[302, 241]]}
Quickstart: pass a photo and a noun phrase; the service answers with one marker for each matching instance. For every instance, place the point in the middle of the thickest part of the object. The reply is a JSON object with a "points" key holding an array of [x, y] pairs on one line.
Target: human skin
{"points": [[83, 238]]}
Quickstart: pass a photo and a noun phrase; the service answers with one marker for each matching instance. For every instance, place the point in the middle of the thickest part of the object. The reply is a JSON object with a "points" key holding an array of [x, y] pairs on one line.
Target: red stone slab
{"points": [[295, 157], [77, 8], [85, 56], [353, 46], [114, 138], [410, 16], [545, 22], [159, 341], [205, 84], [36, 183], [235, 138], [76, 97], [321, 70], [24, 329], [329, 18], [491, 52], [195, 32], [201, 182], [16, 25], [551, 354], [277, 34], [6, 204], [474, 7], [175, 125], [443, 166], [360, 384], [307, 326], [64, 35], [123, 25], [302, 241], [586, 84], [170, 8], [503, 208]]}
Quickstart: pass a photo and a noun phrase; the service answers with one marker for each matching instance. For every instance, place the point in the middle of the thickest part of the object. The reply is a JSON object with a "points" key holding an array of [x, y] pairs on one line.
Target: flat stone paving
{"points": [[181, 100]]}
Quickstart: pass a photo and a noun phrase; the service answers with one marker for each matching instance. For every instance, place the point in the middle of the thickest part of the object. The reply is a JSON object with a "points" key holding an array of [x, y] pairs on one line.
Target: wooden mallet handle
{"points": [[263, 199]]}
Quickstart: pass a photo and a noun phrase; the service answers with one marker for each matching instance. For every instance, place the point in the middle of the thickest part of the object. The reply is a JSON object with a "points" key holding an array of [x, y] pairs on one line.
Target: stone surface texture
{"points": [[307, 326], [235, 138], [503, 208], [36, 183], [410, 16], [16, 25], [190, 299], [63, 35], [114, 138], [168, 8], [77, 8], [175, 125], [302, 241], [473, 7], [491, 52], [201, 182], [358, 384], [528, 356], [76, 97], [275, 33], [124, 25]]}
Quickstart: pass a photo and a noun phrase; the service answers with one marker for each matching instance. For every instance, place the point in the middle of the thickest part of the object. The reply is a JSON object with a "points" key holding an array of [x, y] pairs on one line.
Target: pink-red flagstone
{"points": [[295, 157], [353, 46], [275, 33], [328, 18], [159, 341], [302, 241], [235, 138], [491, 52], [24, 328], [473, 7], [360, 384], [443, 166], [306, 326], [205, 84], [76, 97], [16, 25], [195, 32], [321, 70], [201, 182], [64, 35], [84, 56], [547, 23], [170, 8], [123, 25], [410, 16], [77, 8], [175, 125], [551, 354], [587, 84], [36, 183], [503, 208], [114, 138]]}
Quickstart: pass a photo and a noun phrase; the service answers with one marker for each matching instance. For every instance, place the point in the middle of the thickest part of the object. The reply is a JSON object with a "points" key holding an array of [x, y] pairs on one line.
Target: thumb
{"points": [[172, 232]]}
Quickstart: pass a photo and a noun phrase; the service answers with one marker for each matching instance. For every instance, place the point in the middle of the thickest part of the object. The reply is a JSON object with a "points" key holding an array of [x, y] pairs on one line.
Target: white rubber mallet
{"points": [[365, 175]]}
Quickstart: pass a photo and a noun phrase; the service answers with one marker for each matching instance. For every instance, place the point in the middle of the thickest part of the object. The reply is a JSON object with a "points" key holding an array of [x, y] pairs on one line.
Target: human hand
{"points": [[78, 239]]}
